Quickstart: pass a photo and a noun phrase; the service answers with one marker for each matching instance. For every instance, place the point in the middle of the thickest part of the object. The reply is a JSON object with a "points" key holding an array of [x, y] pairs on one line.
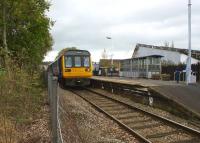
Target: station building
{"points": [[109, 66], [141, 67], [170, 55], [147, 61]]}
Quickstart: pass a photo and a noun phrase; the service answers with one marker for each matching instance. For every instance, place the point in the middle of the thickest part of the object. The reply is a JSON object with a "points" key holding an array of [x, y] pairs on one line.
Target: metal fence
{"points": [[170, 69], [53, 100]]}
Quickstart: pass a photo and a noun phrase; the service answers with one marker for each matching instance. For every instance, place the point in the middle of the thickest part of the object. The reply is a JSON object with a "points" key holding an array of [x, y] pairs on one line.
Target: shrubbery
{"points": [[25, 39], [21, 100]]}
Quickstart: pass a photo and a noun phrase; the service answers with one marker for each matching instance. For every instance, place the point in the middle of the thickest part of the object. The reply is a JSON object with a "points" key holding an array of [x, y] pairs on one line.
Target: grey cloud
{"points": [[76, 27]]}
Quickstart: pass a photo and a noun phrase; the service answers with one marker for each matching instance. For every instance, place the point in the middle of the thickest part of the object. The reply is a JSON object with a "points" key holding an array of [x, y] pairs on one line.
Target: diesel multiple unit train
{"points": [[73, 67]]}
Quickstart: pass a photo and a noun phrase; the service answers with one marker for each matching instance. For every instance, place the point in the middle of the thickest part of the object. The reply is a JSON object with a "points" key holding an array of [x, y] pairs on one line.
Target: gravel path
{"points": [[81, 123], [39, 130]]}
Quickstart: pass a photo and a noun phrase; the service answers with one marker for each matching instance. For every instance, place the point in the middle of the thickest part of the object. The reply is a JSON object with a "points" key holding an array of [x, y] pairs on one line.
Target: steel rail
{"points": [[142, 138], [176, 124]]}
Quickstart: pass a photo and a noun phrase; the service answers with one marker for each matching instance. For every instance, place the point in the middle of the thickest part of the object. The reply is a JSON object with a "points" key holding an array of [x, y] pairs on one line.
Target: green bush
{"points": [[21, 100]]}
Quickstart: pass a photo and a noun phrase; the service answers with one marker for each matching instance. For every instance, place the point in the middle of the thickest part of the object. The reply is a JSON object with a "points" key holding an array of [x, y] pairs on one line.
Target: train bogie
{"points": [[77, 82]]}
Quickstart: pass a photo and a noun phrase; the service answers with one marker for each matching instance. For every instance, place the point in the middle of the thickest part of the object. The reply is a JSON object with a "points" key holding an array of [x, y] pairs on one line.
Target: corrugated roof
{"points": [[195, 53]]}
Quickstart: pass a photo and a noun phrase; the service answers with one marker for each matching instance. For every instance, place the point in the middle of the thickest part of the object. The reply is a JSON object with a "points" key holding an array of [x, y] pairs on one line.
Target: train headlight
{"points": [[67, 70], [87, 69]]}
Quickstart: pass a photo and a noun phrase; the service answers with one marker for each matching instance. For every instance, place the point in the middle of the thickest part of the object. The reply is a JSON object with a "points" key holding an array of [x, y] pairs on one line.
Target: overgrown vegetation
{"points": [[25, 39], [25, 31], [21, 98]]}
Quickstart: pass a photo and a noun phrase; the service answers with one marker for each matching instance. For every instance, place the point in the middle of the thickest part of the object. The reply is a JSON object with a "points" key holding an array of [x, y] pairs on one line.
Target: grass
{"points": [[21, 100]]}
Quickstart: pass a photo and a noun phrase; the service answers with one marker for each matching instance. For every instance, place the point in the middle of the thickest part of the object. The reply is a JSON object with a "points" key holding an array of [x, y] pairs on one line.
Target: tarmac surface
{"points": [[187, 96]]}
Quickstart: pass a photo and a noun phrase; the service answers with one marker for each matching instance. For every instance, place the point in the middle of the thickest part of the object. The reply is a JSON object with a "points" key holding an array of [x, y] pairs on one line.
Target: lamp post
{"points": [[188, 68], [111, 56]]}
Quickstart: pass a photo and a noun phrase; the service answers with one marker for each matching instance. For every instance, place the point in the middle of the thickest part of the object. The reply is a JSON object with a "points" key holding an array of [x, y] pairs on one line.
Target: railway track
{"points": [[148, 127]]}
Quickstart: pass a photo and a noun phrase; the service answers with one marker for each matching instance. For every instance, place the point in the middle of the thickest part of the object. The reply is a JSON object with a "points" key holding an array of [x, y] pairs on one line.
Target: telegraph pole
{"points": [[188, 68], [112, 48], [111, 56]]}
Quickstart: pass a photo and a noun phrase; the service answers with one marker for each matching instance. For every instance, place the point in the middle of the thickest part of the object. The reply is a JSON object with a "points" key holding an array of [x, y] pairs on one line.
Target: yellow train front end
{"points": [[76, 68]]}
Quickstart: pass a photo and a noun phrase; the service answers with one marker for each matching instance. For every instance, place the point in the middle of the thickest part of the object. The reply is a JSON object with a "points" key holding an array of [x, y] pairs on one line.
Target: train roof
{"points": [[64, 52], [77, 52]]}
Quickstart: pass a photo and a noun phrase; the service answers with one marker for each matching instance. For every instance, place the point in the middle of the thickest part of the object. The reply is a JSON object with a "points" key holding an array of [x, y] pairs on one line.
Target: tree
{"points": [[27, 32], [4, 26], [3, 46]]}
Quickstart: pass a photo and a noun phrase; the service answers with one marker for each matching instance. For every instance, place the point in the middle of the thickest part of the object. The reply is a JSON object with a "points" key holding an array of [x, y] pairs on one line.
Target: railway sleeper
{"points": [[151, 129], [101, 100], [128, 116], [193, 140], [109, 105], [130, 121], [165, 138], [114, 108], [161, 134], [119, 112], [104, 103], [175, 138], [141, 127]]}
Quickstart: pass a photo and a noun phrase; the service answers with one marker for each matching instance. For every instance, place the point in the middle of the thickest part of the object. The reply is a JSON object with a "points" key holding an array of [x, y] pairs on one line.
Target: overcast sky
{"points": [[86, 24]]}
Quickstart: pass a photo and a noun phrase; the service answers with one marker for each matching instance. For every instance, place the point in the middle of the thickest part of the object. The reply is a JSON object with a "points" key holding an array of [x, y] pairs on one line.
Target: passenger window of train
{"points": [[68, 61], [86, 61], [77, 61]]}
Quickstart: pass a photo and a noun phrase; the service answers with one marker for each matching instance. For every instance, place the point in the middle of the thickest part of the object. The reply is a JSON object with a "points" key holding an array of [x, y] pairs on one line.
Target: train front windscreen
{"points": [[77, 59]]}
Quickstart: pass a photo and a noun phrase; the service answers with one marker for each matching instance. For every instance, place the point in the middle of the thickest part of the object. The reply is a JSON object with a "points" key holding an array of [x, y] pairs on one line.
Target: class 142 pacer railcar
{"points": [[73, 67]]}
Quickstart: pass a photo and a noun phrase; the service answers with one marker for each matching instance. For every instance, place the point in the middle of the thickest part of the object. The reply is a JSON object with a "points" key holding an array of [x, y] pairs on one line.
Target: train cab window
{"points": [[77, 61], [86, 61], [68, 62]]}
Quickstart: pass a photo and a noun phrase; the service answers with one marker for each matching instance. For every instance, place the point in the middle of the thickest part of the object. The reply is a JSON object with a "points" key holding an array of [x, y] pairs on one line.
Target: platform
{"points": [[186, 96]]}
